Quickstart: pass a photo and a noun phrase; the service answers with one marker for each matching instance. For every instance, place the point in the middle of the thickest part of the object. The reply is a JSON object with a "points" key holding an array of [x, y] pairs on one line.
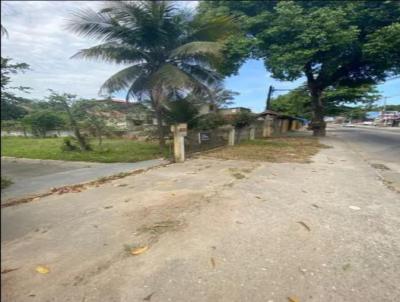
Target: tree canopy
{"points": [[165, 49], [330, 43]]}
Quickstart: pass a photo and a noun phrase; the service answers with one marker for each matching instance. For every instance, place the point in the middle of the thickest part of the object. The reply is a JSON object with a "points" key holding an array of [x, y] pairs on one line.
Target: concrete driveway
{"points": [[216, 230], [33, 176]]}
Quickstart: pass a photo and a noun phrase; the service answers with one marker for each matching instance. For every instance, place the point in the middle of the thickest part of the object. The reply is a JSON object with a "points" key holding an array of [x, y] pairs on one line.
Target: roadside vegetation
{"points": [[111, 150], [278, 149], [5, 182]]}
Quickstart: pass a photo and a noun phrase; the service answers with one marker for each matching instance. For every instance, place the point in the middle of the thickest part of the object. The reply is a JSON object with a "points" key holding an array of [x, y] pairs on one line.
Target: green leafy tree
{"points": [[12, 106], [298, 102], [242, 119], [330, 43], [93, 116], [166, 49], [65, 103], [210, 121], [42, 121]]}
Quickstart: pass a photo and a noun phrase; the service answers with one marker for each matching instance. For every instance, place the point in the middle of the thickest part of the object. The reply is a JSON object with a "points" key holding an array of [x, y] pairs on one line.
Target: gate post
{"points": [[252, 133], [231, 137], [268, 127], [179, 131]]}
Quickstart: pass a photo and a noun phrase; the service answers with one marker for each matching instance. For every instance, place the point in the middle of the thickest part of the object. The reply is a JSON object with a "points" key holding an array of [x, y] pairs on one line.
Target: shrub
{"points": [[42, 121], [67, 144], [209, 121]]}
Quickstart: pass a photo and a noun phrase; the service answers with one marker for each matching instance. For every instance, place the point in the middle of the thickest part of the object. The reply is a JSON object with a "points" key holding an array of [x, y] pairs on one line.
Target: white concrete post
{"points": [[268, 128], [179, 131], [252, 133], [231, 138]]}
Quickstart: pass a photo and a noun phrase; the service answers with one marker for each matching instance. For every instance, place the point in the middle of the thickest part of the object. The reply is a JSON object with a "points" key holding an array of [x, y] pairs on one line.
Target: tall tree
{"points": [[11, 104], [166, 49], [297, 102], [65, 103], [330, 43]]}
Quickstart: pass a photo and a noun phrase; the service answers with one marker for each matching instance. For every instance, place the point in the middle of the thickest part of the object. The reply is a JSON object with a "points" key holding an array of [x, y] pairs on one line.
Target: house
{"points": [[233, 111], [126, 116]]}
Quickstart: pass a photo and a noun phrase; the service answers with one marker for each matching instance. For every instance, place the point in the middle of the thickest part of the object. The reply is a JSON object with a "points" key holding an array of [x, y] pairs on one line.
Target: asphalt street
{"points": [[375, 143], [380, 147]]}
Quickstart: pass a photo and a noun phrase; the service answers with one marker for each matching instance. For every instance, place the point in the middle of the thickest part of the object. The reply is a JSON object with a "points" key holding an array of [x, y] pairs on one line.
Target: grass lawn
{"points": [[280, 149], [113, 150]]}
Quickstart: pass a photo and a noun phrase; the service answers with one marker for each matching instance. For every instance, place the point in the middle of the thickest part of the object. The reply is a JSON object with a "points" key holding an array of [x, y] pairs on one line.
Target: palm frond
{"points": [[214, 29], [122, 79], [170, 77], [113, 52], [207, 76], [98, 25], [197, 48]]}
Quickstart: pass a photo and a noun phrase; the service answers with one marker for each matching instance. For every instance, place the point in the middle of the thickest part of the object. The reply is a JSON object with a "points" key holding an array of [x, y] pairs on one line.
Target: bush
{"points": [[42, 121], [242, 119], [210, 121], [67, 144]]}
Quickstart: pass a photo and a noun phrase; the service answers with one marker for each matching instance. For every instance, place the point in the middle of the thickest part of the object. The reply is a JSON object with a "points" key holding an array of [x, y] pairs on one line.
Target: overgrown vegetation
{"points": [[5, 182], [112, 150]]}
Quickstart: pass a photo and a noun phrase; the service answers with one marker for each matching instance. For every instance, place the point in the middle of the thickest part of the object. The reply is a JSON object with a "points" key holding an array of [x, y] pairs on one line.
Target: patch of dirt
{"points": [[380, 167], [283, 149]]}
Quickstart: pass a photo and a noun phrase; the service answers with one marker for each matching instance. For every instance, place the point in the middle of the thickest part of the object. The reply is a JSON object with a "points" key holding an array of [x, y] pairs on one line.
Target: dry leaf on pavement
{"points": [[292, 299], [139, 250], [304, 225], [42, 269]]}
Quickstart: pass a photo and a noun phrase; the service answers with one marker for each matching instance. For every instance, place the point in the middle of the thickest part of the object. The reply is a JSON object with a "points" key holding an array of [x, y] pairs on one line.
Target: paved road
{"points": [[377, 144], [326, 231], [380, 147], [32, 176]]}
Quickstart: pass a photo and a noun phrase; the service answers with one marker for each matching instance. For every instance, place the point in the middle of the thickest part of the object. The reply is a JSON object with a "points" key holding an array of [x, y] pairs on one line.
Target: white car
{"points": [[348, 125], [368, 123]]}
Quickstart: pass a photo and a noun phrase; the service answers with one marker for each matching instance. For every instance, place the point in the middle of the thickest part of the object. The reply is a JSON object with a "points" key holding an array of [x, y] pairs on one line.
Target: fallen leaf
{"points": [[148, 298], [293, 299], [258, 197], [42, 269], [315, 206], [212, 262], [5, 271], [139, 250], [304, 225]]}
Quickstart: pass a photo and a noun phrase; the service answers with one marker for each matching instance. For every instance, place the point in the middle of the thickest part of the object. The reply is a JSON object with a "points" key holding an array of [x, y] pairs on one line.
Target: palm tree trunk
{"points": [[156, 103], [160, 128]]}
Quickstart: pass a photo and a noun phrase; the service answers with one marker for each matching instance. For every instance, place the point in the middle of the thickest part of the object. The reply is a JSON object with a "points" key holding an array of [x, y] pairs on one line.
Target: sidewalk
{"points": [[325, 231], [34, 176]]}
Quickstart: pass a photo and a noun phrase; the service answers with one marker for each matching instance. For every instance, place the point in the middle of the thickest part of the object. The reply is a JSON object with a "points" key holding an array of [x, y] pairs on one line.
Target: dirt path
{"points": [[217, 231]]}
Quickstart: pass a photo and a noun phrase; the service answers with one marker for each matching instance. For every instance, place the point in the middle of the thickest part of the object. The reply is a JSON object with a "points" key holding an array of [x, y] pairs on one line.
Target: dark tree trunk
{"points": [[318, 124]]}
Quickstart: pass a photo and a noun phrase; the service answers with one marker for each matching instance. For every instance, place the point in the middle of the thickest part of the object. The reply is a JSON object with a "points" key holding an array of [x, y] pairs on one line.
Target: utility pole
{"points": [[270, 91]]}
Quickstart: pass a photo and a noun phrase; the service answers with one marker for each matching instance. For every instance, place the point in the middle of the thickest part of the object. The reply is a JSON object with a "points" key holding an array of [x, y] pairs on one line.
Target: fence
{"points": [[192, 141], [197, 140]]}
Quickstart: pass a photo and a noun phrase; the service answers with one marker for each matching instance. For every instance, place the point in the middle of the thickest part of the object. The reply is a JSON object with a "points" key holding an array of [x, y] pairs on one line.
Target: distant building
{"points": [[233, 111]]}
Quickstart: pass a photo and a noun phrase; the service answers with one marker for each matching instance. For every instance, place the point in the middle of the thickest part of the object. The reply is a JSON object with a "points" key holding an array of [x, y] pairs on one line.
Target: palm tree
{"points": [[165, 49]]}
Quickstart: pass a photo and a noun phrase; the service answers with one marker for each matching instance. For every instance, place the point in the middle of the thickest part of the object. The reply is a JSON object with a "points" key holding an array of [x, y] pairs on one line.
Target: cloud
{"points": [[37, 37]]}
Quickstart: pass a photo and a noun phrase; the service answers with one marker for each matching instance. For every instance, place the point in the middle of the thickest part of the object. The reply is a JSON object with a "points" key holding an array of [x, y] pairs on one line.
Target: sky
{"points": [[37, 36]]}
